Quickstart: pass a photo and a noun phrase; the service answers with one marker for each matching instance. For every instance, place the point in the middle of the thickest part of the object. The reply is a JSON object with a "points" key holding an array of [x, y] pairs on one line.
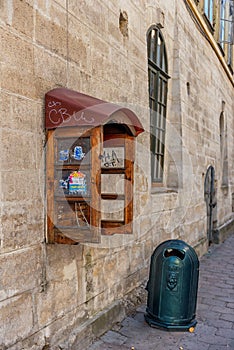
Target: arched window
{"points": [[158, 78]]}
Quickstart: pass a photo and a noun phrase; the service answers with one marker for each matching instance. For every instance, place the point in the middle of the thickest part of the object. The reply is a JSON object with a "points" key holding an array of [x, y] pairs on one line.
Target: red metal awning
{"points": [[64, 107]]}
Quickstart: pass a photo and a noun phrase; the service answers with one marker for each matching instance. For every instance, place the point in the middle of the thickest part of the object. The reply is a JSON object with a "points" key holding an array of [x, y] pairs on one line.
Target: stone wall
{"points": [[56, 295]]}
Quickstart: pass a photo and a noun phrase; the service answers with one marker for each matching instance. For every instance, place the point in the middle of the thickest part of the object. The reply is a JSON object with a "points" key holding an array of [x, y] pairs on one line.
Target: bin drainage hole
{"points": [[174, 252]]}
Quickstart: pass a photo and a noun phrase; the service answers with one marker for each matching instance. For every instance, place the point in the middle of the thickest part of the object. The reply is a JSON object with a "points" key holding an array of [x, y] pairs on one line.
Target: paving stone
{"points": [[195, 345], [113, 338], [227, 317], [212, 339], [220, 323], [219, 347], [230, 344], [97, 345], [213, 301], [226, 333]]}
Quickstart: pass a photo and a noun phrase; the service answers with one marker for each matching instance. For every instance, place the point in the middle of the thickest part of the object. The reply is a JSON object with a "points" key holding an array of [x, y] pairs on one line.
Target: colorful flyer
{"points": [[77, 183]]}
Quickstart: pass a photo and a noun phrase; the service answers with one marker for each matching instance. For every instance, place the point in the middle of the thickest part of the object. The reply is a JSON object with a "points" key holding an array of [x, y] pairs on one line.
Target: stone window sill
{"points": [[156, 190]]}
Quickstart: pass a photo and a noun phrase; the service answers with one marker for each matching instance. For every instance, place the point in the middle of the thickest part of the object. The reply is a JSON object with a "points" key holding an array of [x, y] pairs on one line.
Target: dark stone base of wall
{"points": [[95, 327], [223, 232]]}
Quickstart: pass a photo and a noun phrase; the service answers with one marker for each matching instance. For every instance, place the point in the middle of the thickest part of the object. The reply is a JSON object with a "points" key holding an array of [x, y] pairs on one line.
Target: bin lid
{"points": [[65, 107], [175, 248]]}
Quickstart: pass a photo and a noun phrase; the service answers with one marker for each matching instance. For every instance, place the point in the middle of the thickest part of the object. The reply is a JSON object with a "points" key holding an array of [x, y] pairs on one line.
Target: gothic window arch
{"points": [[158, 85]]}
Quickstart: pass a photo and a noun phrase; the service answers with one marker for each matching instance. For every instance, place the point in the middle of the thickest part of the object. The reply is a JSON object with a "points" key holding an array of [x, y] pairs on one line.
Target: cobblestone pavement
{"points": [[215, 313]]}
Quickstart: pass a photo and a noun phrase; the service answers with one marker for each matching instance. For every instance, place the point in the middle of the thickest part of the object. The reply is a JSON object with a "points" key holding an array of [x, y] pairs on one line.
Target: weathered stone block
{"points": [[123, 262], [99, 279], [19, 151], [59, 259], [89, 14], [18, 54], [24, 114], [49, 68], [17, 314], [21, 185], [20, 271], [144, 226], [136, 257], [5, 13], [22, 17], [77, 50], [58, 299], [77, 78], [18, 81], [51, 35], [6, 106], [110, 267], [36, 341], [21, 224]]}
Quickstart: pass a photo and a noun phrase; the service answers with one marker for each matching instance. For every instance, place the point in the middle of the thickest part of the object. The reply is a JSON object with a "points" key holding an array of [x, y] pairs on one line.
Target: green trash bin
{"points": [[172, 286]]}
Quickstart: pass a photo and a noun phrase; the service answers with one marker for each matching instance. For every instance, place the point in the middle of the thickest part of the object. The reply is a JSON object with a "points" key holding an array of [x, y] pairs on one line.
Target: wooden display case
{"points": [[89, 166]]}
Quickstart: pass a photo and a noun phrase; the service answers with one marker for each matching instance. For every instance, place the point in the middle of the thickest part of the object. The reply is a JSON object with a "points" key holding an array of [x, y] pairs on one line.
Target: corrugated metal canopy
{"points": [[65, 107]]}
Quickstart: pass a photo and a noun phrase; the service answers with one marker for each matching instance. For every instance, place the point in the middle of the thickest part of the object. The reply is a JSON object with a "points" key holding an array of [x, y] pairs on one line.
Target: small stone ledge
{"points": [[111, 316], [94, 327], [223, 231], [104, 320], [201, 247], [163, 190]]}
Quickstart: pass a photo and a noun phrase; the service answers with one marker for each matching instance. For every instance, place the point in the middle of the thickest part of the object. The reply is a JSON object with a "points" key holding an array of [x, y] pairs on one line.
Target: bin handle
{"points": [[174, 252]]}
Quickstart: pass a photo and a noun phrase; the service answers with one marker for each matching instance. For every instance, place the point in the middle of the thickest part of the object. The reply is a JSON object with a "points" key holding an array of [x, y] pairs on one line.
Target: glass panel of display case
{"points": [[112, 183], [73, 214], [73, 150], [112, 210], [113, 157]]}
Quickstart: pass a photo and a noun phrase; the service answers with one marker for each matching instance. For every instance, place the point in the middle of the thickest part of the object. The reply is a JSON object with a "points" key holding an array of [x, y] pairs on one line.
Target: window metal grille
{"points": [[209, 10]]}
